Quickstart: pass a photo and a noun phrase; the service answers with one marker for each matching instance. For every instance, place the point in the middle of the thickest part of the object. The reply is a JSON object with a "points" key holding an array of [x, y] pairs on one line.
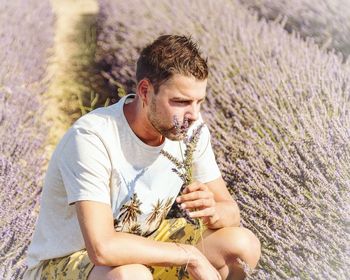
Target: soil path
{"points": [[74, 31]]}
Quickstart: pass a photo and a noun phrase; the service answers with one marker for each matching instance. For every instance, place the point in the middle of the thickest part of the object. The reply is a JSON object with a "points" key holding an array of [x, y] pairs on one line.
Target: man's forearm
{"points": [[228, 215], [124, 248]]}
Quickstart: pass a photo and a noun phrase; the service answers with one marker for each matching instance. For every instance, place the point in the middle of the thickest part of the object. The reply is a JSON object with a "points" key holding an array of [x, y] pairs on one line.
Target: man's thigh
{"points": [[79, 266], [130, 271], [72, 267]]}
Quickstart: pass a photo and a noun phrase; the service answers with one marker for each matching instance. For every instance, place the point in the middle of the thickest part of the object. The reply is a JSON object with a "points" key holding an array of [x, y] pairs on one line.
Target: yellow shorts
{"points": [[78, 265]]}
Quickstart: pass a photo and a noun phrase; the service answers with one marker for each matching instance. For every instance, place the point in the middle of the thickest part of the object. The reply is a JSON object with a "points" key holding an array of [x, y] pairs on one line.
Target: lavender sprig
{"points": [[184, 168]]}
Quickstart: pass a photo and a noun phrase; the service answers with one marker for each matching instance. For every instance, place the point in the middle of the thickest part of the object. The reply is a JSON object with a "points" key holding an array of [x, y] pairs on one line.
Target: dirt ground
{"points": [[74, 32]]}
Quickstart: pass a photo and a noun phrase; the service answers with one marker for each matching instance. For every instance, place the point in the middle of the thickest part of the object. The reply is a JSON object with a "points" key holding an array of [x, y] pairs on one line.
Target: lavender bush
{"points": [[26, 36], [278, 110], [326, 21]]}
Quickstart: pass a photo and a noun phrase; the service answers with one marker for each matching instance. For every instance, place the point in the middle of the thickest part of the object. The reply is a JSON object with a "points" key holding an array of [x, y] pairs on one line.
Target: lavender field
{"points": [[327, 22], [26, 38], [278, 108]]}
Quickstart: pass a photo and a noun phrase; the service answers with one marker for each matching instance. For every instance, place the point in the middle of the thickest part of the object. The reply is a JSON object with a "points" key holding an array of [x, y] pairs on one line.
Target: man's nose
{"points": [[193, 112]]}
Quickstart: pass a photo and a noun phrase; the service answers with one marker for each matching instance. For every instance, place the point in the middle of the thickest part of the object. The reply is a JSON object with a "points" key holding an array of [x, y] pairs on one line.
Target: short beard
{"points": [[170, 133]]}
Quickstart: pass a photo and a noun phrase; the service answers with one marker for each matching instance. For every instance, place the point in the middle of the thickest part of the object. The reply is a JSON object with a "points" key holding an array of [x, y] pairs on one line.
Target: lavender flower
{"points": [[181, 129], [26, 31], [326, 22]]}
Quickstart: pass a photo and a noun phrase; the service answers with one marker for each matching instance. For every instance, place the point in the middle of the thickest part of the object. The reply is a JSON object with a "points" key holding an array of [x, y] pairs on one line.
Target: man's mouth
{"points": [[181, 128], [185, 127]]}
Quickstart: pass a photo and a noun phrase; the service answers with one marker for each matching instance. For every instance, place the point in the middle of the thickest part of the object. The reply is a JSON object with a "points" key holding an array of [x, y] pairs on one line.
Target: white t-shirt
{"points": [[101, 159]]}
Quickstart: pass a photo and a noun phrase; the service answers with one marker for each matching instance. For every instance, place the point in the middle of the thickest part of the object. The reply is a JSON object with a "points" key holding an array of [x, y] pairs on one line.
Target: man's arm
{"points": [[212, 202], [107, 247]]}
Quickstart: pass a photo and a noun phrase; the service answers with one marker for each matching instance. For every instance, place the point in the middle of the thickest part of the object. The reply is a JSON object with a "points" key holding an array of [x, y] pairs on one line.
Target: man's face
{"points": [[179, 97]]}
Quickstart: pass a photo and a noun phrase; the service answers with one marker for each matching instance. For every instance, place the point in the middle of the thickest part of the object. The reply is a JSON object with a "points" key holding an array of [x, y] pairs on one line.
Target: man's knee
{"points": [[133, 271], [243, 243]]}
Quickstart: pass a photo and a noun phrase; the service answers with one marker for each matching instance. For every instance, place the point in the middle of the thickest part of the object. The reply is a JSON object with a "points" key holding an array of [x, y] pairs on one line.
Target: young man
{"points": [[108, 188]]}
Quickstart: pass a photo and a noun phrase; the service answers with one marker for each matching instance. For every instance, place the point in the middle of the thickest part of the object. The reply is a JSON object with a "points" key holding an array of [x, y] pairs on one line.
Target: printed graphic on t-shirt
{"points": [[129, 217]]}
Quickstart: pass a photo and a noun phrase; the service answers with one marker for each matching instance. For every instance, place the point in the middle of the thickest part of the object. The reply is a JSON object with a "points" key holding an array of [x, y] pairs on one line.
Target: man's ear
{"points": [[144, 89]]}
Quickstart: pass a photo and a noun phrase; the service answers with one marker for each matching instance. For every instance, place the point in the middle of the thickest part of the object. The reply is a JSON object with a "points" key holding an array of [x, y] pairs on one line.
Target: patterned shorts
{"points": [[78, 265]]}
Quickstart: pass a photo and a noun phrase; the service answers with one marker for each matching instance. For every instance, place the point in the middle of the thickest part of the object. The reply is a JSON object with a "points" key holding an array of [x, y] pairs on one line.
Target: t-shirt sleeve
{"points": [[205, 168], [85, 167]]}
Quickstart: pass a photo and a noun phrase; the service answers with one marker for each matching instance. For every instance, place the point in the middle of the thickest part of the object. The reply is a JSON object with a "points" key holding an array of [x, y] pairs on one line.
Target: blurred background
{"points": [[277, 108]]}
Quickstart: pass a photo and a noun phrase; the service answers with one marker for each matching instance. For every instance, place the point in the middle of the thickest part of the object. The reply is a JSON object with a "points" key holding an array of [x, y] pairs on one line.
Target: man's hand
{"points": [[200, 202], [199, 267]]}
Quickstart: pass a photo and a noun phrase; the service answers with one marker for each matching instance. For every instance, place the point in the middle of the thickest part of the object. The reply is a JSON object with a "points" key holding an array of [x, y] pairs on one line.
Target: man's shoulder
{"points": [[98, 119]]}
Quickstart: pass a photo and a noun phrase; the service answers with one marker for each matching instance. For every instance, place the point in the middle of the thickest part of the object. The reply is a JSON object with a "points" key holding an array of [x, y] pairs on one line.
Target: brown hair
{"points": [[168, 55]]}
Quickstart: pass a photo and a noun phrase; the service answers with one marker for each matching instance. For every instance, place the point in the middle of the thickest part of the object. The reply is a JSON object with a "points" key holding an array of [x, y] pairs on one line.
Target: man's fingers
{"points": [[198, 197], [195, 186], [194, 196], [207, 212], [199, 203]]}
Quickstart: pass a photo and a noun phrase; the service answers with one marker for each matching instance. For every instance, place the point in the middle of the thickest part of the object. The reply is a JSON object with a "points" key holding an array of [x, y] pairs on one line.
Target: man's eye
{"points": [[182, 101]]}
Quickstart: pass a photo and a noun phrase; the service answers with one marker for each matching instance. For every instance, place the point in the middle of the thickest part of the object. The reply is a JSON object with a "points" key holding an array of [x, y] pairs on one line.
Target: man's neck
{"points": [[140, 125]]}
